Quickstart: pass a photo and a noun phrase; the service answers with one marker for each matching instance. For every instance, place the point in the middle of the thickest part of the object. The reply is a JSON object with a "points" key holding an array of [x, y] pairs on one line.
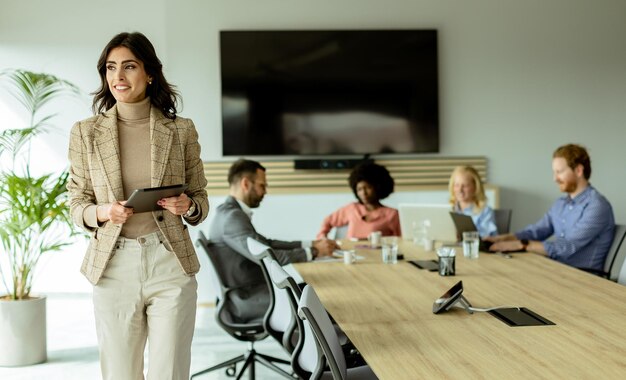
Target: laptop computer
{"points": [[465, 223], [440, 227]]}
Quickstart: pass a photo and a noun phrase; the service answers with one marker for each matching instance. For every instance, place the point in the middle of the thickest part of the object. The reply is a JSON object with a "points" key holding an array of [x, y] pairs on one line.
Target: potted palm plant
{"points": [[34, 219]]}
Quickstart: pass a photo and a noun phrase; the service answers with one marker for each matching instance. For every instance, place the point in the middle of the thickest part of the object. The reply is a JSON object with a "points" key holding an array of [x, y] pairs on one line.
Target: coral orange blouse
{"points": [[362, 222]]}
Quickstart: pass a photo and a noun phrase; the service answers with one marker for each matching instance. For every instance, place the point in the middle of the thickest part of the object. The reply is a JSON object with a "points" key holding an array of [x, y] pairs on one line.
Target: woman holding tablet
{"points": [[370, 183], [142, 264], [467, 196]]}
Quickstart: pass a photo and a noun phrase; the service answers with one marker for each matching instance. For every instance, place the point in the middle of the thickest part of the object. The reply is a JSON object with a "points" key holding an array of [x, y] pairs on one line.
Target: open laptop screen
{"points": [[436, 216]]}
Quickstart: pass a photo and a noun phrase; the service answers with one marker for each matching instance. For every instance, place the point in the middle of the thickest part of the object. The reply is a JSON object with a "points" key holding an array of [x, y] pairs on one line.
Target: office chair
{"points": [[317, 323], [620, 232], [305, 358], [249, 331], [279, 322], [503, 219], [621, 277], [287, 288], [618, 251]]}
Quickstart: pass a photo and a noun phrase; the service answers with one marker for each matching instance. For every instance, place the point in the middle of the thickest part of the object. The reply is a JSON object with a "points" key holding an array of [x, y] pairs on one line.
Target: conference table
{"points": [[386, 311]]}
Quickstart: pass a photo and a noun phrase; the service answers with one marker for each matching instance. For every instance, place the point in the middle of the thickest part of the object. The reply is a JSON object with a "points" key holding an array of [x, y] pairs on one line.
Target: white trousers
{"points": [[144, 294]]}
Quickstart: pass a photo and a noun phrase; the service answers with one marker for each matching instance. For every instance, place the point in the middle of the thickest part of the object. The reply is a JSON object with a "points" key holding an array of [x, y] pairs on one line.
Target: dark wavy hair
{"points": [[376, 175], [162, 94]]}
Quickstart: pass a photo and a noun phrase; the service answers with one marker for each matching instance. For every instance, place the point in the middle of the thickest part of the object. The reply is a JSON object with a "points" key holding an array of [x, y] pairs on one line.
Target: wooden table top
{"points": [[386, 310]]}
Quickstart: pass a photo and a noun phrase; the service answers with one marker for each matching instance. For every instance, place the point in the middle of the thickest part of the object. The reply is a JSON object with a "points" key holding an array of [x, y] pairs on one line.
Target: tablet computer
{"points": [[447, 300], [430, 265], [144, 200]]}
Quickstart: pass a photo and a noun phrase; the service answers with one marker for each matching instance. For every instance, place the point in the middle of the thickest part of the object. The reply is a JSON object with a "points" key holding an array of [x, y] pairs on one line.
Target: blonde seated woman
{"points": [[467, 196], [370, 183]]}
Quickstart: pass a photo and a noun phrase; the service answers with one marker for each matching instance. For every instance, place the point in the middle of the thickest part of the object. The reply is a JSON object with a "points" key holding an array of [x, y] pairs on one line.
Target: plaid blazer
{"points": [[96, 178]]}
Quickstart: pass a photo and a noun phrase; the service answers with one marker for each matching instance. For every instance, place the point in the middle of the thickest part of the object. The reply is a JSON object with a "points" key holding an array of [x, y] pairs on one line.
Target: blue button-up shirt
{"points": [[485, 220], [582, 229]]}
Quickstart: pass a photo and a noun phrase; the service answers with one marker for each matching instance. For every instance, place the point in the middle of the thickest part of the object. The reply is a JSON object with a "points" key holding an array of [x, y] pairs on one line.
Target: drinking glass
{"points": [[390, 250], [471, 241], [446, 261]]}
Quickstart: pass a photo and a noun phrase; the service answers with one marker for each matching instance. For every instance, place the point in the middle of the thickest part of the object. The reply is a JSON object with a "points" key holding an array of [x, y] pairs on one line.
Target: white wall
{"points": [[517, 78]]}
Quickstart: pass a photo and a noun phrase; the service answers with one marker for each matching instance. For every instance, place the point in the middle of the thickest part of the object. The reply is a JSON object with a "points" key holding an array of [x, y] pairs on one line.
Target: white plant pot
{"points": [[22, 332]]}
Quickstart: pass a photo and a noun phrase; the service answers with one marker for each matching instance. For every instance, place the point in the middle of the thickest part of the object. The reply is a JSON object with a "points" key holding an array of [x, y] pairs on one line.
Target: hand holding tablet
{"points": [[144, 200]]}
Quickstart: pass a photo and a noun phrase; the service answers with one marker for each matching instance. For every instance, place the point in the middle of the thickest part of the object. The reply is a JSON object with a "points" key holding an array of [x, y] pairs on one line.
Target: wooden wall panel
{"points": [[408, 173]]}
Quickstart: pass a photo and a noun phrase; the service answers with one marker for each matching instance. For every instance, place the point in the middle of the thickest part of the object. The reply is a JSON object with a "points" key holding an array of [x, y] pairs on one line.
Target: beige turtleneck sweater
{"points": [[133, 124], [133, 127]]}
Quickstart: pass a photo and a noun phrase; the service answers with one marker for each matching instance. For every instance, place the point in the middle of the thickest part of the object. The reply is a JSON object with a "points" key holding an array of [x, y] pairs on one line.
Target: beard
{"points": [[254, 200], [567, 186]]}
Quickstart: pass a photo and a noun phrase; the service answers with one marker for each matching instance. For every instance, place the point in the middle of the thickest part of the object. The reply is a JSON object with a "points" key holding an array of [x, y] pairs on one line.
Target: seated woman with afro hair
{"points": [[370, 183]]}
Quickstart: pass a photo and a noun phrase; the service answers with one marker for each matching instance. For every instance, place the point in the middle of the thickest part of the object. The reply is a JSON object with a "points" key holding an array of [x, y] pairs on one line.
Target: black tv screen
{"points": [[330, 92]]}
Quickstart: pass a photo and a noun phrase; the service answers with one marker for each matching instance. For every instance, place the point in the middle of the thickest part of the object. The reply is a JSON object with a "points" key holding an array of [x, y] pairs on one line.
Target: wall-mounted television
{"points": [[329, 92]]}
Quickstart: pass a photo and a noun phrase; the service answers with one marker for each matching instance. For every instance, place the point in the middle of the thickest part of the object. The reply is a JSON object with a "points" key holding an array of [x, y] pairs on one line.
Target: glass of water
{"points": [[390, 249], [471, 241]]}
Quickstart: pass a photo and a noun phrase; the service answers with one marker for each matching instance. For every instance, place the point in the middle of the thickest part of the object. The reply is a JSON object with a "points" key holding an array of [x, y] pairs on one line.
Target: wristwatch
{"points": [[524, 243], [192, 209]]}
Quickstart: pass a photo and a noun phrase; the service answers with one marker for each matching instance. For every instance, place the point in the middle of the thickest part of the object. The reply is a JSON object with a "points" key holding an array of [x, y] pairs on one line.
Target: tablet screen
{"points": [[444, 302], [144, 200]]}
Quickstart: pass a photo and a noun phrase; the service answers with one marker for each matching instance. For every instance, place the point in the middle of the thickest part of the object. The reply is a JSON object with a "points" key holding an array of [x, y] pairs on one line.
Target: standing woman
{"points": [[467, 196], [142, 265], [370, 183]]}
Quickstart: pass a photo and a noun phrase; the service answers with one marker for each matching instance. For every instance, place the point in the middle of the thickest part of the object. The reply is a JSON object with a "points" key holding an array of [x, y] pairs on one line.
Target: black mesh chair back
{"points": [[503, 219]]}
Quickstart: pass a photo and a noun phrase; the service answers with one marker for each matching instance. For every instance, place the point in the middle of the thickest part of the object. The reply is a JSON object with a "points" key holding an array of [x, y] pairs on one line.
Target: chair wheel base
{"points": [[231, 371]]}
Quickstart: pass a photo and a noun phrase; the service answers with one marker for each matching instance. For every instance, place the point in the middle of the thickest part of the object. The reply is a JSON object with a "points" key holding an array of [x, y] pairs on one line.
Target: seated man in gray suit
{"points": [[229, 231]]}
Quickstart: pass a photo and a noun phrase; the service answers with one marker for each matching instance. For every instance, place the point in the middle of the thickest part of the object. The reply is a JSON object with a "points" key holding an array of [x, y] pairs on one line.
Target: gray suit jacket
{"points": [[229, 232]]}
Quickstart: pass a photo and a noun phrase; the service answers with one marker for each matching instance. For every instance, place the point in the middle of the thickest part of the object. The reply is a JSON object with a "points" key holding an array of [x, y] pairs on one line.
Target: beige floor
{"points": [[73, 350]]}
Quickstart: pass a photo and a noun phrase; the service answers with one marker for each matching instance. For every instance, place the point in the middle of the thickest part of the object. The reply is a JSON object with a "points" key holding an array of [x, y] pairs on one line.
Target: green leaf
{"points": [[34, 212]]}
